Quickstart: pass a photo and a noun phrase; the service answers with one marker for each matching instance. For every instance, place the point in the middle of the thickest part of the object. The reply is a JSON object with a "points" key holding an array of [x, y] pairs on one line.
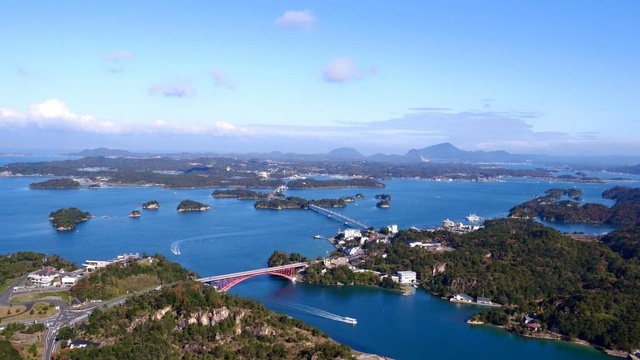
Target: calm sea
{"points": [[233, 236]]}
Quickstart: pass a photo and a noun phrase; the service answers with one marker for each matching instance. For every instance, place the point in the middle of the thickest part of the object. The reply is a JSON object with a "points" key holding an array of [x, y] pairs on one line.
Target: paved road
{"points": [[65, 317]]}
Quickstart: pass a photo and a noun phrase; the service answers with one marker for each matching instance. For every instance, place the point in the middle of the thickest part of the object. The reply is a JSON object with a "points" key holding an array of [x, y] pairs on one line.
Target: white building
{"points": [[68, 280], [462, 297], [393, 229], [352, 233], [44, 276], [96, 264], [353, 251], [407, 277]]}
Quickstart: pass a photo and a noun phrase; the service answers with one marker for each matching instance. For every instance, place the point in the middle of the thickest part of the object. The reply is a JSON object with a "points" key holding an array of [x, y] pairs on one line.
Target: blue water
{"points": [[233, 236]]}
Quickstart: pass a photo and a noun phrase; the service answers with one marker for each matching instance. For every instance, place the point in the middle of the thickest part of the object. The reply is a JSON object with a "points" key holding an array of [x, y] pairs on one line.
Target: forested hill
{"points": [[193, 321], [579, 289], [551, 207]]}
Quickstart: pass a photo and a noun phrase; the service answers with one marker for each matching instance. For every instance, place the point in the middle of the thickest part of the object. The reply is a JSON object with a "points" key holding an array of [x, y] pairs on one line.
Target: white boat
{"points": [[473, 217], [317, 236], [349, 320]]}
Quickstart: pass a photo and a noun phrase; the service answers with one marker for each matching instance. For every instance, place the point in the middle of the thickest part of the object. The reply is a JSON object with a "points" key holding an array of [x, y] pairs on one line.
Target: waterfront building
{"points": [[483, 300], [407, 277], [462, 297]]}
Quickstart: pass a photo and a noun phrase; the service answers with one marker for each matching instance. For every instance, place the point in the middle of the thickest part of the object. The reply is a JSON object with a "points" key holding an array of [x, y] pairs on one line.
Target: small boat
{"points": [[349, 320], [317, 236], [473, 217]]}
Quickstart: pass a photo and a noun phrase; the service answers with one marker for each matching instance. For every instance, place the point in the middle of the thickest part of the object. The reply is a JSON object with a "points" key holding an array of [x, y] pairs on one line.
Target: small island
{"points": [[151, 205], [63, 183], [359, 196], [134, 214], [383, 204], [66, 219], [190, 205], [383, 197]]}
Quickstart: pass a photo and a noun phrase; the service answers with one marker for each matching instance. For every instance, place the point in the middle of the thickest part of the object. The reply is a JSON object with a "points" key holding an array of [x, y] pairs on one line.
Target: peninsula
{"points": [[552, 207], [63, 183]]}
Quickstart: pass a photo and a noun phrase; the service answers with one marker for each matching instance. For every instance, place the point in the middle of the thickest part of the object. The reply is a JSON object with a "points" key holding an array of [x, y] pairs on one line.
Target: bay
{"points": [[233, 236]]}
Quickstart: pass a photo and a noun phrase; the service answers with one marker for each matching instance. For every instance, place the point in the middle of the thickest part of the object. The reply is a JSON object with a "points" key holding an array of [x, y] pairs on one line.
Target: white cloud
{"points": [[220, 79], [179, 88], [54, 115], [343, 70], [297, 19]]}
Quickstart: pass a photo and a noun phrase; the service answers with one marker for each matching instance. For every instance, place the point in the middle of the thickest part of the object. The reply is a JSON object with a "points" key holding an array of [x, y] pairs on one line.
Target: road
{"points": [[65, 317]]}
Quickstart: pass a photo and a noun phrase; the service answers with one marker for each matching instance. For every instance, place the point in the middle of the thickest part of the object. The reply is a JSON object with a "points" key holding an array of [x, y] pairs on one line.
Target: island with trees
{"points": [[66, 219], [63, 183], [383, 196], [383, 204], [190, 205], [151, 205], [134, 214]]}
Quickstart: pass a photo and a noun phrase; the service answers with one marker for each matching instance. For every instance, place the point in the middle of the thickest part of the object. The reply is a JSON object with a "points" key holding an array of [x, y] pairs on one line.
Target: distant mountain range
{"points": [[442, 153]]}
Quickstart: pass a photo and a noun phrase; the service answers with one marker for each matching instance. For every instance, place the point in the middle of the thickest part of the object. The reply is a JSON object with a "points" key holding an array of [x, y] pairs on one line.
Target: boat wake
{"points": [[175, 246], [320, 313]]}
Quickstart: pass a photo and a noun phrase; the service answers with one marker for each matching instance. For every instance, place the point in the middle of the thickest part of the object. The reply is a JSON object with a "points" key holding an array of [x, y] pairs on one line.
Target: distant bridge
{"points": [[278, 190], [346, 219], [227, 281]]}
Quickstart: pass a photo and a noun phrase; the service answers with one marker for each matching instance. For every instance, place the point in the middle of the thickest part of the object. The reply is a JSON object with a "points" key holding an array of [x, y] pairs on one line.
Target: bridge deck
{"points": [[340, 216], [251, 272]]}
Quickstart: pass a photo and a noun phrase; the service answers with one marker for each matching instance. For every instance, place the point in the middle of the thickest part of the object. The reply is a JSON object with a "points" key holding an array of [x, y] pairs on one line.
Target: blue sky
{"points": [[555, 77]]}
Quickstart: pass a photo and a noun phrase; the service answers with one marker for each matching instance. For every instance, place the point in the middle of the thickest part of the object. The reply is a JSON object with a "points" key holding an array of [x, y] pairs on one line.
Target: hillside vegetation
{"points": [[579, 289], [127, 277], [193, 321]]}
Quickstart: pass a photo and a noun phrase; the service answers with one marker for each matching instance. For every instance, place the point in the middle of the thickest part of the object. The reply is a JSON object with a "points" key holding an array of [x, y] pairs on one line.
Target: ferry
{"points": [[349, 320], [473, 217]]}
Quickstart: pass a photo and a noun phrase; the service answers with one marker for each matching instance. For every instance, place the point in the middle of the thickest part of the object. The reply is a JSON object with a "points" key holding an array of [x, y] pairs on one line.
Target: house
{"points": [[483, 300], [462, 297], [44, 276], [392, 229], [406, 277], [533, 326]]}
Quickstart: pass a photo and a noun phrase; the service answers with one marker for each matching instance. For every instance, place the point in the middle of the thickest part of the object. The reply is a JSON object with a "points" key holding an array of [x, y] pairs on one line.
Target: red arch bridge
{"points": [[227, 281]]}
